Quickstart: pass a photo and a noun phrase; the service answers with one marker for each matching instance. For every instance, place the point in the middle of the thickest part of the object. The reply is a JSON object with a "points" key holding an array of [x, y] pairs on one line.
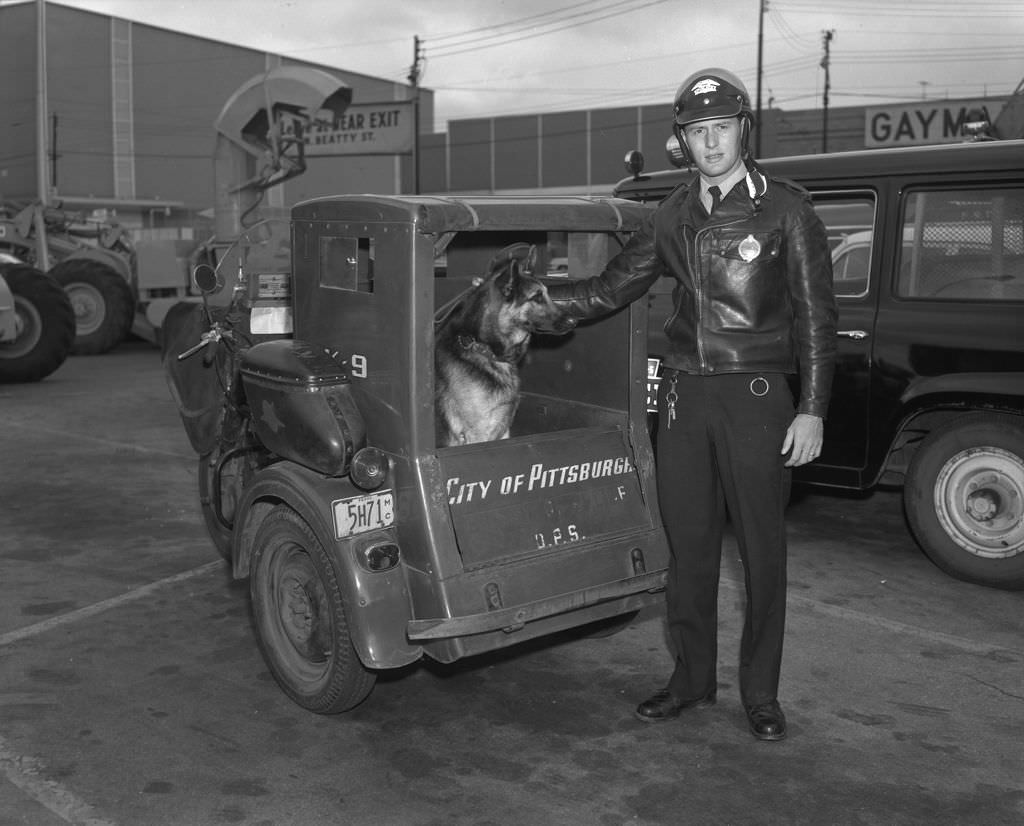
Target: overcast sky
{"points": [[500, 57]]}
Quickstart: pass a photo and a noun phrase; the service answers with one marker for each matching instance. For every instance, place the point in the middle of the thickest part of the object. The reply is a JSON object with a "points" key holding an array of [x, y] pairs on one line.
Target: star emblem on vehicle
{"points": [[269, 416]]}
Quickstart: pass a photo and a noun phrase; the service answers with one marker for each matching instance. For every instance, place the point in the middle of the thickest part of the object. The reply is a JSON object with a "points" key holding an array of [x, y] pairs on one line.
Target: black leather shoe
{"points": [[663, 705], [767, 722]]}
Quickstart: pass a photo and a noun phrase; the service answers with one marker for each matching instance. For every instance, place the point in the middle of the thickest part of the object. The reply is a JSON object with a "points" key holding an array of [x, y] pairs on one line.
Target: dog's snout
{"points": [[558, 325], [566, 324]]}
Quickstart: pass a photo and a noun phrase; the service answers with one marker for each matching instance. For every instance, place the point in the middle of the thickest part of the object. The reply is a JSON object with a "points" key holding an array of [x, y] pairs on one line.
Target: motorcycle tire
{"points": [[219, 530], [300, 617]]}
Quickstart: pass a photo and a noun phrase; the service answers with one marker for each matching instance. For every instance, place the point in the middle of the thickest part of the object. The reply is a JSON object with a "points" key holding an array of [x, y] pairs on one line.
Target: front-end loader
{"points": [[37, 324], [117, 286], [93, 262]]}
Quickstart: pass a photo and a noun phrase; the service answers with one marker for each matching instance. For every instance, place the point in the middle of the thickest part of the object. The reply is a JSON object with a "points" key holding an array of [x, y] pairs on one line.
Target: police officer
{"points": [[753, 304]]}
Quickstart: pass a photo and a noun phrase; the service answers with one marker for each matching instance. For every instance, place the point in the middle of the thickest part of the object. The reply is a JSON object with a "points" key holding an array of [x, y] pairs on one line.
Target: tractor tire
{"points": [[964, 499], [103, 304], [46, 325]]}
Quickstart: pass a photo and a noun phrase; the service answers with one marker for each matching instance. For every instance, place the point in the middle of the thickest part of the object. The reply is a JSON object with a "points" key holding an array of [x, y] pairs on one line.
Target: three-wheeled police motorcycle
{"points": [[305, 383]]}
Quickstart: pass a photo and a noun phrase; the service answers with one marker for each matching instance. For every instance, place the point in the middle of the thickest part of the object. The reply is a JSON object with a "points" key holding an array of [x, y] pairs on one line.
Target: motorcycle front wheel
{"points": [[222, 481]]}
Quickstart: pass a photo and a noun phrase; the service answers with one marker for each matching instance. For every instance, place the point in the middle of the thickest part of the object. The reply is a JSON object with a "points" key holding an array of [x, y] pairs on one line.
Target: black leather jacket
{"points": [[754, 284]]}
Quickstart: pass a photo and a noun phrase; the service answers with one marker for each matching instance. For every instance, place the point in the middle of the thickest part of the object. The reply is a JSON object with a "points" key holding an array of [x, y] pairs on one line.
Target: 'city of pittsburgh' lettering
{"points": [[541, 477], [464, 491]]}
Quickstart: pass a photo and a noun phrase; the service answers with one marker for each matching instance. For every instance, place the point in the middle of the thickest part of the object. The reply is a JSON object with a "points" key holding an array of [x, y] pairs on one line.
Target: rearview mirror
{"points": [[207, 279]]}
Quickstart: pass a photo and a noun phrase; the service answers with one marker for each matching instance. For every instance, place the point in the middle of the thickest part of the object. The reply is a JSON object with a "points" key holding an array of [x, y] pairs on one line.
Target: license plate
{"points": [[653, 380], [359, 514]]}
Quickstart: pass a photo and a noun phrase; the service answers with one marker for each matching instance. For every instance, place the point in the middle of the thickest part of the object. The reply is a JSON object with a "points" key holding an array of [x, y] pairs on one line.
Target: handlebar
{"points": [[212, 336]]}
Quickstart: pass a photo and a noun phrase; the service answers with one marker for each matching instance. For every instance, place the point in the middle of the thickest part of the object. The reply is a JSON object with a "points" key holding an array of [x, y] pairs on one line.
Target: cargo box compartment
{"points": [[553, 530]]}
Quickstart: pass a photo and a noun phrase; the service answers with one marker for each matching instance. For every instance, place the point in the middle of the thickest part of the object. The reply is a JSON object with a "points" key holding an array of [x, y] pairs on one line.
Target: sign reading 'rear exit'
{"points": [[930, 121], [364, 129]]}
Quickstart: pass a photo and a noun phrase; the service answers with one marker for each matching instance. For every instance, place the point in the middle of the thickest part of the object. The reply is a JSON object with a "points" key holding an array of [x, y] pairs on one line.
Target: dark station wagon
{"points": [[928, 258]]}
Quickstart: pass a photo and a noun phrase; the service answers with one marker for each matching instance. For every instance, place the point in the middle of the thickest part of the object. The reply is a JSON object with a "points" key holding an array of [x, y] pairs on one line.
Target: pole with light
{"points": [[760, 71], [825, 64], [414, 77]]}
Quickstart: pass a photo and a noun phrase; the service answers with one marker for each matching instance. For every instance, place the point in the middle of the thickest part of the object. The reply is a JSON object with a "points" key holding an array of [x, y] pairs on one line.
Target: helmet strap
{"points": [[684, 150], [746, 125]]}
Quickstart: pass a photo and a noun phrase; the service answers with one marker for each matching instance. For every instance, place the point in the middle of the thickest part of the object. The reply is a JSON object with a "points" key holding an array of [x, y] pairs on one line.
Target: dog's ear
{"points": [[505, 280], [509, 263], [530, 262], [520, 251]]}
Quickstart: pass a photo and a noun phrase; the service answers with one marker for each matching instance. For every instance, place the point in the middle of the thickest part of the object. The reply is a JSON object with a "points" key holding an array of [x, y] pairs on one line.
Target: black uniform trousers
{"points": [[720, 457]]}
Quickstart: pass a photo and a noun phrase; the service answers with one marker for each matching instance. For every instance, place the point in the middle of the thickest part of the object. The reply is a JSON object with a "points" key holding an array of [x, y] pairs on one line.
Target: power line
{"points": [[788, 34], [591, 18], [908, 8], [516, 22]]}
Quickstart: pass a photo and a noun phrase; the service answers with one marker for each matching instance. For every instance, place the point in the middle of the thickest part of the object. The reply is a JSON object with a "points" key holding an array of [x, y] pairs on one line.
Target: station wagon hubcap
{"points": [[979, 497]]}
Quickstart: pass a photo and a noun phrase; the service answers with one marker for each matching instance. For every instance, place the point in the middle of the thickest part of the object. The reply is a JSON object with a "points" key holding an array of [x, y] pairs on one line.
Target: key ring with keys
{"points": [[671, 397]]}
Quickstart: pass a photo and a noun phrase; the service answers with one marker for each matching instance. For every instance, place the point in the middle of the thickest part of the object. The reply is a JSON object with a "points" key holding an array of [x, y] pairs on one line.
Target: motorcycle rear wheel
{"points": [[301, 625]]}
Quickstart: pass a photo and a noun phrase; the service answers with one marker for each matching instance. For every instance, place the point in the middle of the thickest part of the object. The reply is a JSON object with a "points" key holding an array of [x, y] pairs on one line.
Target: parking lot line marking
{"points": [[24, 772], [104, 605], [127, 447], [894, 626]]}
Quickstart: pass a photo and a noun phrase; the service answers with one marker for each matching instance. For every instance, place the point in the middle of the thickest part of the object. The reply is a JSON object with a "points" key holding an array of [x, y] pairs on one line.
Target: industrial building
{"points": [[129, 127], [130, 120]]}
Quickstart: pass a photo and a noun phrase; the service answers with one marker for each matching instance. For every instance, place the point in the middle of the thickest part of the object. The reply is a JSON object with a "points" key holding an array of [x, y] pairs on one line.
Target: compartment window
{"points": [[964, 244], [347, 263], [849, 220], [578, 380]]}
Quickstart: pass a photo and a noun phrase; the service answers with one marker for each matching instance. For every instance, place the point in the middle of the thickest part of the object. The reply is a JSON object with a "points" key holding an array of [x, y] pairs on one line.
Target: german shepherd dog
{"points": [[480, 343]]}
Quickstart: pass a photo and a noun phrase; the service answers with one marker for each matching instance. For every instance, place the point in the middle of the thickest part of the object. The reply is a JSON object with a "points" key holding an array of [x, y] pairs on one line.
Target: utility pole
{"points": [[53, 151], [760, 72], [42, 104], [825, 63], [414, 78]]}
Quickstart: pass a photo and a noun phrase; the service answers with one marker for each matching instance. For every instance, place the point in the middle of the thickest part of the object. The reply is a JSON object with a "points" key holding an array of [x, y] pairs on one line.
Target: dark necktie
{"points": [[716, 198]]}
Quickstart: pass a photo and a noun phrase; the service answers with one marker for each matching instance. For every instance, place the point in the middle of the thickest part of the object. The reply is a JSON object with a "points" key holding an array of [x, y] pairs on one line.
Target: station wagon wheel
{"points": [[300, 617], [964, 498]]}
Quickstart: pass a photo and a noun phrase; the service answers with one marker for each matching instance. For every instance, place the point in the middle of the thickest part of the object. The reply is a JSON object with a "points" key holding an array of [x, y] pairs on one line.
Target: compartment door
{"points": [[540, 494]]}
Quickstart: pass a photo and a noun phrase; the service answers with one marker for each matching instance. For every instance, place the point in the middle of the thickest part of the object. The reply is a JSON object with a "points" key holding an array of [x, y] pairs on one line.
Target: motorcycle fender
{"points": [[377, 604]]}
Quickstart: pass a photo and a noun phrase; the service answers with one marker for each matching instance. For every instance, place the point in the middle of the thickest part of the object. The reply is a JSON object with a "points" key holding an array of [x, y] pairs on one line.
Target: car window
{"points": [[852, 265], [963, 244], [848, 219]]}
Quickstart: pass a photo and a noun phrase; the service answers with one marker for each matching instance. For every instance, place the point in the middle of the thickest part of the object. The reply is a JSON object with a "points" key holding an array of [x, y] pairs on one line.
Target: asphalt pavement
{"points": [[132, 692]]}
